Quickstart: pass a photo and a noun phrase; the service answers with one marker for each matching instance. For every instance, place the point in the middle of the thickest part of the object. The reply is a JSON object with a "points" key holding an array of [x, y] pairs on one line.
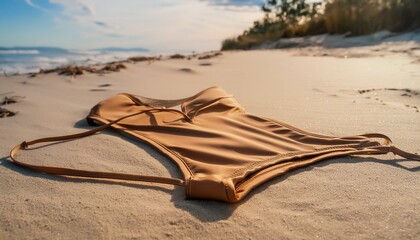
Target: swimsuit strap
{"points": [[84, 173], [388, 146], [155, 104]]}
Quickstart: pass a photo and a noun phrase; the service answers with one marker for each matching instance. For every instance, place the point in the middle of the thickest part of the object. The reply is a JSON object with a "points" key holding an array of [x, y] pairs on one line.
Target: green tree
{"points": [[291, 11]]}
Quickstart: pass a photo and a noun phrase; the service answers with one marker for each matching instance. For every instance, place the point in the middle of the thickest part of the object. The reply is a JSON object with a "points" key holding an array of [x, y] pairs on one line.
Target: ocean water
{"points": [[20, 60]]}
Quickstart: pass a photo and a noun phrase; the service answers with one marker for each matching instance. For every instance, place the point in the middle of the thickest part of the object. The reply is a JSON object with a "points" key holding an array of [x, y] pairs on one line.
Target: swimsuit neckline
{"points": [[187, 105]]}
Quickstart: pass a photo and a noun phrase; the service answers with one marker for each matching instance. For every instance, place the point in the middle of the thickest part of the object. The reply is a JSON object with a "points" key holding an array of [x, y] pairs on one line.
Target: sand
{"points": [[379, 44], [342, 198]]}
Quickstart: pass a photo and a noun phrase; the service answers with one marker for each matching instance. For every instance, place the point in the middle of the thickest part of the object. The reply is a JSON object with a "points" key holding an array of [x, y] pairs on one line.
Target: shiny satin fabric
{"points": [[222, 151]]}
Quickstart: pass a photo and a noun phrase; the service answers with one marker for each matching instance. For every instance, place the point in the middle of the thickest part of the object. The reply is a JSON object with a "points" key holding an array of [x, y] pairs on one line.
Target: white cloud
{"points": [[160, 25], [78, 7], [88, 9], [32, 4]]}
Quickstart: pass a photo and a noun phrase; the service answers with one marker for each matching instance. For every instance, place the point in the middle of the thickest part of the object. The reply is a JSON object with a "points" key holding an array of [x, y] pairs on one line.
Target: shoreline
{"points": [[114, 66], [380, 44]]}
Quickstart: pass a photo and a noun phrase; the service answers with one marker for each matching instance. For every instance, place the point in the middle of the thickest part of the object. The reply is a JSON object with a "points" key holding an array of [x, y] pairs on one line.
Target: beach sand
{"points": [[364, 197]]}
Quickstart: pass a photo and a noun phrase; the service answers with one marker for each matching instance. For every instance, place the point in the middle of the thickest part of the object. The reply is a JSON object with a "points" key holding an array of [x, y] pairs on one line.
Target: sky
{"points": [[158, 25]]}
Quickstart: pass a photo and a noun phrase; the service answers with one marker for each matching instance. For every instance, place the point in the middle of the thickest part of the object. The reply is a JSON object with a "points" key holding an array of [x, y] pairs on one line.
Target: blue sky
{"points": [[159, 25]]}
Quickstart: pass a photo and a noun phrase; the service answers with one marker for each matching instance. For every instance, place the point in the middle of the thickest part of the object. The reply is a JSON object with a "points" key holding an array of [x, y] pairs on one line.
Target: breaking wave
{"points": [[19, 52], [21, 61]]}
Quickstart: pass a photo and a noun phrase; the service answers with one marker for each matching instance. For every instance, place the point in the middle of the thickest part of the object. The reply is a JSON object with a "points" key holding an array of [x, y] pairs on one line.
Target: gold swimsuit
{"points": [[222, 151]]}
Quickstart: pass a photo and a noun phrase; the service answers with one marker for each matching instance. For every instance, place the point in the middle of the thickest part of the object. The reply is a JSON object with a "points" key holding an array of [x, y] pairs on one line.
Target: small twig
{"points": [[287, 226]]}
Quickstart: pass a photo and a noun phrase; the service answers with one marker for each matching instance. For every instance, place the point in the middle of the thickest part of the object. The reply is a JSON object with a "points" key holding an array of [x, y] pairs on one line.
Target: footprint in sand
{"points": [[395, 97], [317, 90], [6, 101], [12, 99], [322, 91], [6, 113], [101, 87], [187, 70]]}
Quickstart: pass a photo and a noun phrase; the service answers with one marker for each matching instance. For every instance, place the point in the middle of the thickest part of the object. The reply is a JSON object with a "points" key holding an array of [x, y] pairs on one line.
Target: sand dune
{"points": [[360, 197], [380, 44]]}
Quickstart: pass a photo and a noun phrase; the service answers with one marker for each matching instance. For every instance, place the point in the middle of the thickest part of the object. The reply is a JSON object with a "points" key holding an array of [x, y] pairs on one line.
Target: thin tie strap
{"points": [[84, 173], [388, 146]]}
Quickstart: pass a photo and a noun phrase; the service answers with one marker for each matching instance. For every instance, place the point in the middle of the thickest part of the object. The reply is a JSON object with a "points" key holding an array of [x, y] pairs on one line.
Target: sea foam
{"points": [[28, 60]]}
